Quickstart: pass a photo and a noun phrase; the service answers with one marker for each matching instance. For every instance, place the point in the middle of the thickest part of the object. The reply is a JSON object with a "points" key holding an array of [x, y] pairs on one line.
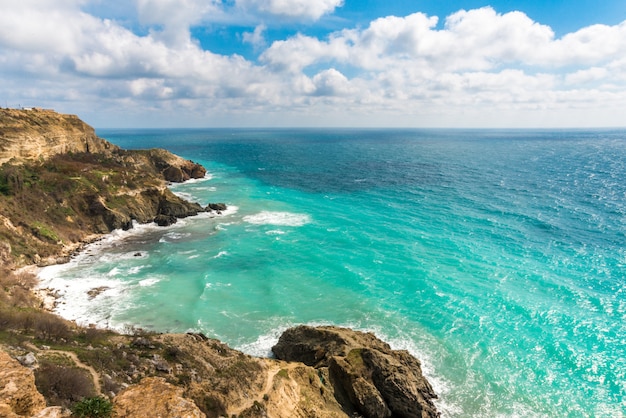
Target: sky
{"points": [[318, 63]]}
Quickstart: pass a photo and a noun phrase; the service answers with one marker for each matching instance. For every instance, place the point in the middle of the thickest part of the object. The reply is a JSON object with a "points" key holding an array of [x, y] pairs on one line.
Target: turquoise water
{"points": [[496, 257]]}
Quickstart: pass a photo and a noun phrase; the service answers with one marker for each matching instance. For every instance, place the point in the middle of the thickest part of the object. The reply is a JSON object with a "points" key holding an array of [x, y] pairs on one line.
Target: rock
{"points": [[54, 412], [154, 397], [165, 220], [172, 205], [218, 207], [18, 393], [55, 165], [40, 134], [29, 360], [370, 377]]}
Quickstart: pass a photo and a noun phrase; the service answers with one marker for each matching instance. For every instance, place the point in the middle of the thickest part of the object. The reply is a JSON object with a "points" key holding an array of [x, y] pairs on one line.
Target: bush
{"points": [[97, 407], [49, 327], [62, 385]]}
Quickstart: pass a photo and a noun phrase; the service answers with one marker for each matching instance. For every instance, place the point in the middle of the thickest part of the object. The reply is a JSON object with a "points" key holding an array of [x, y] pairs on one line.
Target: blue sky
{"points": [[430, 63]]}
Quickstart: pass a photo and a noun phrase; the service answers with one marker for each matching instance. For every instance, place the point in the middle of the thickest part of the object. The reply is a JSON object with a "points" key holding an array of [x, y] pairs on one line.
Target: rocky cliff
{"points": [[39, 134], [344, 374], [61, 185]]}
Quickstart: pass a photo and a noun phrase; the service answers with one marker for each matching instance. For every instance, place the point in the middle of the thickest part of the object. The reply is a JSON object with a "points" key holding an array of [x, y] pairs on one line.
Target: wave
{"points": [[278, 218]]}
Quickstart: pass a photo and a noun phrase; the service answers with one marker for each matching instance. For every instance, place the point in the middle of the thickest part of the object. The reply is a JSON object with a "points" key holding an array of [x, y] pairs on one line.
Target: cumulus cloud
{"points": [[402, 67]]}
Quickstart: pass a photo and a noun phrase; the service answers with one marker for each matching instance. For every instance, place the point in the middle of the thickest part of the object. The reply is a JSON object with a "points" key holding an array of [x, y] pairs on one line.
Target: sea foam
{"points": [[277, 218]]}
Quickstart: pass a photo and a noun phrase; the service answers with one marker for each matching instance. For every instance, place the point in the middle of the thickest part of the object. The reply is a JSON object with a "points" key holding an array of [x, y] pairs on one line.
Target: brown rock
{"points": [[18, 394], [154, 397], [369, 377], [40, 134]]}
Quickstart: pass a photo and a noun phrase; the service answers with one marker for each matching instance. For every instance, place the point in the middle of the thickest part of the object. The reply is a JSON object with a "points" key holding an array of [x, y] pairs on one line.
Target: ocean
{"points": [[497, 257]]}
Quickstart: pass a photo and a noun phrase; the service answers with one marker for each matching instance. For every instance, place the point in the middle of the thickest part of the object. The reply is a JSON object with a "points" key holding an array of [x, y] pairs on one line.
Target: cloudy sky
{"points": [[396, 63]]}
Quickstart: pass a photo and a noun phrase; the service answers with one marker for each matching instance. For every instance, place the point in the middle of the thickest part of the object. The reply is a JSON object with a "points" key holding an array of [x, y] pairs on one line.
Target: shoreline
{"points": [[51, 297]]}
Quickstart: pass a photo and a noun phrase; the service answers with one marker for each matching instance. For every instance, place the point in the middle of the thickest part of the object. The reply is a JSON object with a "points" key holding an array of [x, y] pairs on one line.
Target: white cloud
{"points": [[291, 9], [175, 17], [396, 69], [330, 83], [256, 38]]}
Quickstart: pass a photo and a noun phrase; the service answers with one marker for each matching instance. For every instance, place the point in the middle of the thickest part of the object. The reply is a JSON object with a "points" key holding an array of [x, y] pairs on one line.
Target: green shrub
{"points": [[97, 407]]}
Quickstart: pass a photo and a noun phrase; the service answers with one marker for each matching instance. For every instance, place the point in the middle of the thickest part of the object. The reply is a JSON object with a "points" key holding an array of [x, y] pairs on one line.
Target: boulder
{"points": [[369, 377]]}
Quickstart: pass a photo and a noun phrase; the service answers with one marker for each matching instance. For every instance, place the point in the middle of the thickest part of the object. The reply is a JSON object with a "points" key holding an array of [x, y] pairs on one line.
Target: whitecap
{"points": [[114, 272], [148, 282], [275, 232], [221, 254], [174, 236], [135, 270], [277, 218]]}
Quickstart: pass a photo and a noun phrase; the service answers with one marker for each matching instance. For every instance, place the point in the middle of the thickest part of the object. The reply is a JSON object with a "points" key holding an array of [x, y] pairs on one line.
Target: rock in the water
{"points": [[370, 377], [165, 220], [218, 207]]}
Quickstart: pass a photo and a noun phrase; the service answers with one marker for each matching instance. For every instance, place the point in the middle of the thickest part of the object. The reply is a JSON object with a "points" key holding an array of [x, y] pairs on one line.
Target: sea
{"points": [[497, 257]]}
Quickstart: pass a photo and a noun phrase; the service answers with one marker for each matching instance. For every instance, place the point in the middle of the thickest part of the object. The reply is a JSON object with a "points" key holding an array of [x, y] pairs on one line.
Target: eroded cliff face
{"points": [[39, 134]]}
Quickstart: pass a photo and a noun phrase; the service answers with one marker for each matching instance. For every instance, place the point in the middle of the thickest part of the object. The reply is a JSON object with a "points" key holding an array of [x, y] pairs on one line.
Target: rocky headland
{"points": [[61, 186]]}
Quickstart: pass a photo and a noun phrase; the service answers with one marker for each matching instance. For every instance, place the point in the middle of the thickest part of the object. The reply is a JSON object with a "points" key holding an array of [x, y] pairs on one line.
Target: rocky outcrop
{"points": [[60, 185], [330, 373], [18, 394], [39, 134], [368, 376], [154, 397]]}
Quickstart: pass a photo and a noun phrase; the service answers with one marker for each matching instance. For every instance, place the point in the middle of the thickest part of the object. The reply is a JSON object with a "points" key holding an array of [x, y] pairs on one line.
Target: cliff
{"points": [[61, 185], [39, 134]]}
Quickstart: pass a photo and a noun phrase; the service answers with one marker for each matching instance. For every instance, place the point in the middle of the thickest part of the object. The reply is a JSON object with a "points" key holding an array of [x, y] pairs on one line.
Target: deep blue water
{"points": [[497, 257]]}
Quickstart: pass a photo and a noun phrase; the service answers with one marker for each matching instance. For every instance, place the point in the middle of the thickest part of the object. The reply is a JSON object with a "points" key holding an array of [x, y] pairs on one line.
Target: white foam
{"points": [[275, 232], [277, 218], [174, 236], [74, 301], [135, 270], [221, 254], [148, 282]]}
